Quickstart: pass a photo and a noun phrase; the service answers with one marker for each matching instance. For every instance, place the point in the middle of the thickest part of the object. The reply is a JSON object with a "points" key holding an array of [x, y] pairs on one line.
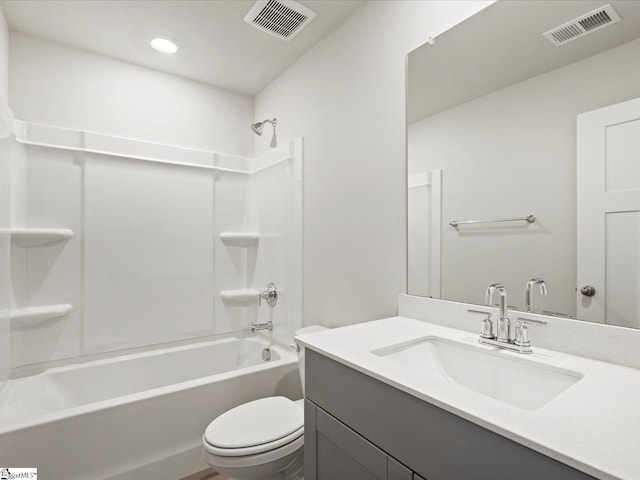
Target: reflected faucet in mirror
{"points": [[529, 296]]}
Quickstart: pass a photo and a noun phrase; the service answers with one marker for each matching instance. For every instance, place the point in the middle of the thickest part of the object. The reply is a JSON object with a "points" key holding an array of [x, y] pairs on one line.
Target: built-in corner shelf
{"points": [[38, 237], [237, 239], [239, 298], [23, 317]]}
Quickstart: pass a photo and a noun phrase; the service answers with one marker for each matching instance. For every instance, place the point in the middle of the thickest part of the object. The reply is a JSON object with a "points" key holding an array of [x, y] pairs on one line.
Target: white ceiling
{"points": [[215, 45]]}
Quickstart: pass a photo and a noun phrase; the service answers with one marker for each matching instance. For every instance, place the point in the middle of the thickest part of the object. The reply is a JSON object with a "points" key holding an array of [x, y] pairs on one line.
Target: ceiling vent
{"points": [[581, 26], [281, 18]]}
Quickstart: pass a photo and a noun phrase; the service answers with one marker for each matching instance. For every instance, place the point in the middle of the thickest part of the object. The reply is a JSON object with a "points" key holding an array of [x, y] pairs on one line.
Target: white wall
{"points": [[513, 153], [346, 97], [4, 63], [67, 87], [5, 278]]}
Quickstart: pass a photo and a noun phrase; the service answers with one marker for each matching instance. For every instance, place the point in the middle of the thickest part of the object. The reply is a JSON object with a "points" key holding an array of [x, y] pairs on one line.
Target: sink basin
{"points": [[518, 382]]}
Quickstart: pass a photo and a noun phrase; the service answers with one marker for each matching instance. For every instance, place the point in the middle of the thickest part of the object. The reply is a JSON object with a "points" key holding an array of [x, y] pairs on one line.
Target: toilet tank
{"points": [[300, 348]]}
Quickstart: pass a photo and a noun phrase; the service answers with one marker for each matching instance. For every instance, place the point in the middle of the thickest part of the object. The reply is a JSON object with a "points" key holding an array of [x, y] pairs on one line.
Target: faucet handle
{"points": [[487, 328], [269, 294], [487, 324], [522, 332], [532, 321]]}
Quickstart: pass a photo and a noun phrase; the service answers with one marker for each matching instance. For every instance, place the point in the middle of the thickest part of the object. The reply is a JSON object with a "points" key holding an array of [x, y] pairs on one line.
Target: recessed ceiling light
{"points": [[163, 45]]}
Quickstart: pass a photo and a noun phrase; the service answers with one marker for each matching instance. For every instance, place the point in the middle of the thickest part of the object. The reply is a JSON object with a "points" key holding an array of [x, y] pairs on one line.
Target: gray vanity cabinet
{"points": [[359, 428], [340, 453]]}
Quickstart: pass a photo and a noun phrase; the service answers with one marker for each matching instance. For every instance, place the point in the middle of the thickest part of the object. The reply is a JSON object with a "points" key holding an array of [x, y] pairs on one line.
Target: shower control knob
{"points": [[270, 295], [588, 291]]}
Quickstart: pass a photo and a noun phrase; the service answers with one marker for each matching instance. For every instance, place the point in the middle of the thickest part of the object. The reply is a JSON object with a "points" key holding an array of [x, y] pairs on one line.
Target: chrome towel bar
{"points": [[528, 218]]}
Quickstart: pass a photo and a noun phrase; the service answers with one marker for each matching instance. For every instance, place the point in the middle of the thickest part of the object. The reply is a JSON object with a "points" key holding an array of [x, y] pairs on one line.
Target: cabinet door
{"points": [[340, 453], [397, 471]]}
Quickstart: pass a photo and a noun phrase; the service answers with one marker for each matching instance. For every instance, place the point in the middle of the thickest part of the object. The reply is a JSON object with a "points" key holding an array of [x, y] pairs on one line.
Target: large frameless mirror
{"points": [[523, 159]]}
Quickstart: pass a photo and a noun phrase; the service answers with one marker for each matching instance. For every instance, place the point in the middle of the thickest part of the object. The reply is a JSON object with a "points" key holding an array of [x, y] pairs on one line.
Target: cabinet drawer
{"points": [[434, 443]]}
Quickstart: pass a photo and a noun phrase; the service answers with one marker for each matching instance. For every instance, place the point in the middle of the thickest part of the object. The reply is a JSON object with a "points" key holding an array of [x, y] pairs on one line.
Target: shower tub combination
{"points": [[111, 285], [136, 416]]}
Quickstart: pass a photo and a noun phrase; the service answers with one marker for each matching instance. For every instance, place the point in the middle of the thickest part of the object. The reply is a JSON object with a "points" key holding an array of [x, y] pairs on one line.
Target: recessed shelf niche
{"points": [[23, 317], [239, 298], [38, 237], [238, 239]]}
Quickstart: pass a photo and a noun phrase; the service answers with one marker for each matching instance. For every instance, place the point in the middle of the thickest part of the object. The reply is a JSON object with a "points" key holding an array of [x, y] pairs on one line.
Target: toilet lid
{"points": [[255, 423]]}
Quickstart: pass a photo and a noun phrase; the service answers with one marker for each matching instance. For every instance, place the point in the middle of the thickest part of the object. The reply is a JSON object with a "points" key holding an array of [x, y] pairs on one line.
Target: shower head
{"points": [[258, 127]]}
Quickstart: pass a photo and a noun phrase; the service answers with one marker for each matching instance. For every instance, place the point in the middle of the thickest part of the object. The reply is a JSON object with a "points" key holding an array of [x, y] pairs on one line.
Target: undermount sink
{"points": [[518, 382]]}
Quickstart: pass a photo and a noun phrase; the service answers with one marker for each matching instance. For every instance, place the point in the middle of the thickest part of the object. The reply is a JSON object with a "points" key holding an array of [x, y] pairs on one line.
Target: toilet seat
{"points": [[256, 449], [277, 458], [255, 427]]}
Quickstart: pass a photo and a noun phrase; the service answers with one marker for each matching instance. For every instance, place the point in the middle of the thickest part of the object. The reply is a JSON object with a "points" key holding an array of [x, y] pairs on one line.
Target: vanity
{"points": [[357, 426], [406, 399]]}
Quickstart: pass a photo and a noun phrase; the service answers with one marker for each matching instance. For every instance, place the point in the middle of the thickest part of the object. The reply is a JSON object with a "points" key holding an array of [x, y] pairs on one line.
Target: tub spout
{"points": [[261, 326]]}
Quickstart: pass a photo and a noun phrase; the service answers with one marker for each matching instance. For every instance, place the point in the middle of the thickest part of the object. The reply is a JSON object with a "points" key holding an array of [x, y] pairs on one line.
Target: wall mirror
{"points": [[506, 123]]}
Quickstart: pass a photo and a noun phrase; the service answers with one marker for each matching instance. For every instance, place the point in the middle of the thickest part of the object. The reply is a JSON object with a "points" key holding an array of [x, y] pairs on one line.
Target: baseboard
{"points": [[173, 467]]}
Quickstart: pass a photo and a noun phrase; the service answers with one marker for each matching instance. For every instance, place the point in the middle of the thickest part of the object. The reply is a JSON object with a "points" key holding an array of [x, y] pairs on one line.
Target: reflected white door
{"points": [[424, 221], [608, 187]]}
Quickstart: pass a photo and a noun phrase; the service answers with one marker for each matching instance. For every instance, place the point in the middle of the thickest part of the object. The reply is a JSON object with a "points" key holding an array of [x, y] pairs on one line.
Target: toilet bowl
{"points": [[262, 439]]}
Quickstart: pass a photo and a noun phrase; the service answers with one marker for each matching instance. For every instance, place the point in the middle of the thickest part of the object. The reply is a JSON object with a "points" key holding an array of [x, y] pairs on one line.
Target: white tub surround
{"points": [[118, 244], [136, 416], [592, 426]]}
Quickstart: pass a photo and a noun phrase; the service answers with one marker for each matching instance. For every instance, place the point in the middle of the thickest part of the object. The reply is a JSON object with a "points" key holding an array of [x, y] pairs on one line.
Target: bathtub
{"points": [[135, 416]]}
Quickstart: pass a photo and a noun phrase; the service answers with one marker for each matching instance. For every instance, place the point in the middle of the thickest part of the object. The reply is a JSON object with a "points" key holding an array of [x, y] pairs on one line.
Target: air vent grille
{"points": [[581, 26], [281, 18], [567, 33], [595, 21]]}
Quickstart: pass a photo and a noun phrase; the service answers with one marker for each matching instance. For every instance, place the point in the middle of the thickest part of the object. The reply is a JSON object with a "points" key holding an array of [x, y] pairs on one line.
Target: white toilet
{"points": [[260, 440]]}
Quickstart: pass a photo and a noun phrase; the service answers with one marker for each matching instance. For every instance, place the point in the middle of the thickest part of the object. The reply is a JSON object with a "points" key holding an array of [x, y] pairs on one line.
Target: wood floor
{"points": [[208, 474]]}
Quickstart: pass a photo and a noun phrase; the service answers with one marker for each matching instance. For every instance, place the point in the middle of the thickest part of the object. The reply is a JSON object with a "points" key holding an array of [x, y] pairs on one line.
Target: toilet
{"points": [[262, 439]]}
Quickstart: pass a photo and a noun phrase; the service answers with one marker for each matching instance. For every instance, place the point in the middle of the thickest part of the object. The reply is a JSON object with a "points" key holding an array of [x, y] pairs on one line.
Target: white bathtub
{"points": [[137, 416]]}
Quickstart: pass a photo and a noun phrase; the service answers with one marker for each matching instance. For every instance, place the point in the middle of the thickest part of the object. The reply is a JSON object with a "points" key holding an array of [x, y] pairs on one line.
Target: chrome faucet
{"points": [[520, 343], [269, 295], [261, 326], [503, 325], [529, 296]]}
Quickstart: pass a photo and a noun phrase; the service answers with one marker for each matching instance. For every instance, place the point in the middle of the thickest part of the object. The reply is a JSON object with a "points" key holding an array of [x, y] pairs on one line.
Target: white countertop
{"points": [[593, 426]]}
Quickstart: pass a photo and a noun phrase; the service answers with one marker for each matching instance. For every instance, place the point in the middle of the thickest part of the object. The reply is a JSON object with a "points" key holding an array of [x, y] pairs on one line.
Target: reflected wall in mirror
{"points": [[497, 129]]}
